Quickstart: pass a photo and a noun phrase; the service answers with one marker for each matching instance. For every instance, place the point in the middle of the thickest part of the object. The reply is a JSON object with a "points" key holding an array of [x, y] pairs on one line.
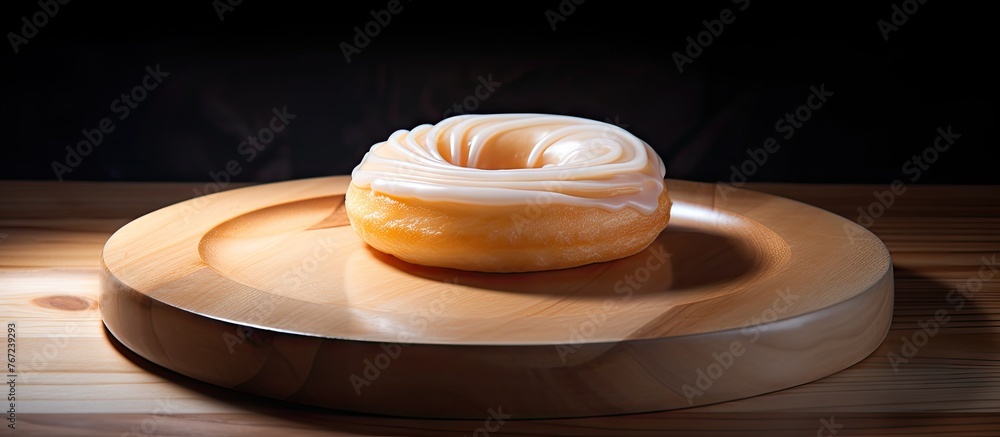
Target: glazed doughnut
{"points": [[509, 193]]}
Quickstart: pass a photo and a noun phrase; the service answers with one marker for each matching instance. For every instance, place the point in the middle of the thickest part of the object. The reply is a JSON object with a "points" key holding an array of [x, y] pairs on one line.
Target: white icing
{"points": [[514, 159]]}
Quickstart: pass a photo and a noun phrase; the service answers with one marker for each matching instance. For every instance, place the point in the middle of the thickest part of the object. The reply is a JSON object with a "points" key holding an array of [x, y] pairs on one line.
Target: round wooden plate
{"points": [[268, 290]]}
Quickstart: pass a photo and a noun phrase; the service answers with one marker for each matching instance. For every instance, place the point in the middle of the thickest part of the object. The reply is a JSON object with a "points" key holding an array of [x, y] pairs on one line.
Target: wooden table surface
{"points": [[937, 373]]}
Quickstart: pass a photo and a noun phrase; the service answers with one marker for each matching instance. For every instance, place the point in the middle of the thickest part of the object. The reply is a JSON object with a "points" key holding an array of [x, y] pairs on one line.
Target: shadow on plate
{"points": [[680, 259]]}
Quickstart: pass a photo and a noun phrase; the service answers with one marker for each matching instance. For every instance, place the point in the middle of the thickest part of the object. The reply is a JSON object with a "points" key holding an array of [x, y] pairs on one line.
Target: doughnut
{"points": [[509, 193]]}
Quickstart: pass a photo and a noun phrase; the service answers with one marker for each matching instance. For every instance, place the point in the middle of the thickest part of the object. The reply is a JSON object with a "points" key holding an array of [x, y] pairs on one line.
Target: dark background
{"points": [[608, 60]]}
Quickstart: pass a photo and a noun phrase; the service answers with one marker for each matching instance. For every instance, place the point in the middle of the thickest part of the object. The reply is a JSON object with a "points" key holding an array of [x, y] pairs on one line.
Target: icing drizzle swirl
{"points": [[513, 159]]}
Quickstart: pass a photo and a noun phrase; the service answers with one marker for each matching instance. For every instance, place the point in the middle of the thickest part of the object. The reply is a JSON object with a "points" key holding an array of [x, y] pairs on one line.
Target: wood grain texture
{"points": [[89, 385], [736, 298]]}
